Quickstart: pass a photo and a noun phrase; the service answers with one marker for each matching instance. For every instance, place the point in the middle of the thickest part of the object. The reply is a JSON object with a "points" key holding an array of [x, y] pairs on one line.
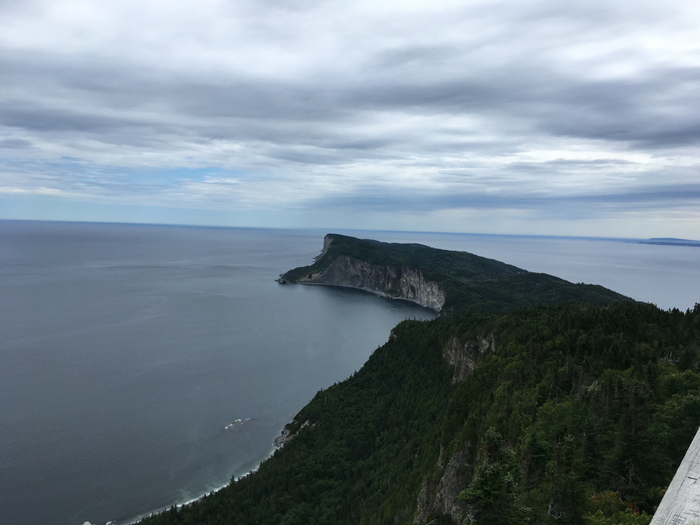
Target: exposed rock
{"points": [[424, 508], [463, 357], [281, 439], [327, 241], [442, 498], [395, 282], [288, 436]]}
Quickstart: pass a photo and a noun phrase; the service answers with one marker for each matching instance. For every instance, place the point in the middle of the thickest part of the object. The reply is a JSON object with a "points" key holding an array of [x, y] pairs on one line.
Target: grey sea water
{"points": [[126, 350]]}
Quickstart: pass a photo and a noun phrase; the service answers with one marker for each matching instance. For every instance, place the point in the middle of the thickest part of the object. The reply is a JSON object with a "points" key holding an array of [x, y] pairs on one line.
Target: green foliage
{"points": [[587, 398], [609, 509], [432, 260], [493, 490]]}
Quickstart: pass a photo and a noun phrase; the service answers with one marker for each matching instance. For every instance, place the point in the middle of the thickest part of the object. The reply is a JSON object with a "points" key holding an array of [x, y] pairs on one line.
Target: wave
{"points": [[236, 422], [132, 521]]}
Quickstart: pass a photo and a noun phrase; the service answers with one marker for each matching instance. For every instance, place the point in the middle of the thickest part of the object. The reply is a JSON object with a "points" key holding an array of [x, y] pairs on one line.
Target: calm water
{"points": [[126, 350]]}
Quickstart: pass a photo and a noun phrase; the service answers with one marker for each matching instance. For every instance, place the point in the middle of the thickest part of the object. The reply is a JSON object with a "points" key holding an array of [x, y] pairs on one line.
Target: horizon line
{"points": [[331, 230]]}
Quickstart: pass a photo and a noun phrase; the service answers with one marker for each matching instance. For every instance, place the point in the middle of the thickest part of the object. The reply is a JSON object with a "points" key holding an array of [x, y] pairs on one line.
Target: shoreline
{"points": [[278, 443], [373, 292]]}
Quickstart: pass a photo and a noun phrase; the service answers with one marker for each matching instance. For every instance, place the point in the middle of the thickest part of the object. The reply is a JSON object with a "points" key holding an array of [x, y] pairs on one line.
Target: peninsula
{"points": [[437, 279]]}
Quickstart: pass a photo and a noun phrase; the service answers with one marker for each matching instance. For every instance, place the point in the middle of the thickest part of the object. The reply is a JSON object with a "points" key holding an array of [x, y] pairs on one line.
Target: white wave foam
{"points": [[194, 500], [236, 422]]}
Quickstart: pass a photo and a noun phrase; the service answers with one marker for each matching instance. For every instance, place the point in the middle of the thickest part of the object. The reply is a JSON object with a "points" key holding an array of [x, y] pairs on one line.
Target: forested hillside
{"points": [[571, 413]]}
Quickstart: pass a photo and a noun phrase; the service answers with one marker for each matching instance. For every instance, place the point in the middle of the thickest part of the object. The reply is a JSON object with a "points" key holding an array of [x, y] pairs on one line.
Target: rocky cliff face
{"points": [[463, 357], [327, 241], [439, 496], [395, 282]]}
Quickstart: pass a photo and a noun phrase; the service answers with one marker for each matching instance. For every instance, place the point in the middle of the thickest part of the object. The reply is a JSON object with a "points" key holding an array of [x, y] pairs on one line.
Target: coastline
{"points": [[373, 292], [277, 445]]}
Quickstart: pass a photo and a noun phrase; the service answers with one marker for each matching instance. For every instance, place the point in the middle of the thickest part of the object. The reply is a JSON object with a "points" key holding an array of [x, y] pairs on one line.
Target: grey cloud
{"points": [[532, 95], [436, 97], [413, 58], [567, 164], [50, 119], [376, 198], [15, 144]]}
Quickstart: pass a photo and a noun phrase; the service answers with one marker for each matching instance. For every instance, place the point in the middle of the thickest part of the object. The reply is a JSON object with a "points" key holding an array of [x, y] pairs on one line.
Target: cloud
{"points": [[15, 144], [325, 105]]}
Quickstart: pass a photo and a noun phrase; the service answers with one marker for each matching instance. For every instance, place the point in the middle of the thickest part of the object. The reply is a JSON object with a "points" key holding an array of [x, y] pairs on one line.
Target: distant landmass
{"points": [[671, 241], [529, 400], [438, 279]]}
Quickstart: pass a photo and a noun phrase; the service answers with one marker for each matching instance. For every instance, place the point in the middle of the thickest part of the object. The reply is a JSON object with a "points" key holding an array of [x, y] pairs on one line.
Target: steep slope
{"points": [[438, 279], [547, 415]]}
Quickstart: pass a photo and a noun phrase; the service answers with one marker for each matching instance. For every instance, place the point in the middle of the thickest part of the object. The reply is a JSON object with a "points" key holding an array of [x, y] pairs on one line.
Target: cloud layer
{"points": [[533, 111]]}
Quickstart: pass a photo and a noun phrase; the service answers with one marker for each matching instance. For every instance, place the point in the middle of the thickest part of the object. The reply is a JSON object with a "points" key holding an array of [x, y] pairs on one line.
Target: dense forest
{"points": [[564, 414]]}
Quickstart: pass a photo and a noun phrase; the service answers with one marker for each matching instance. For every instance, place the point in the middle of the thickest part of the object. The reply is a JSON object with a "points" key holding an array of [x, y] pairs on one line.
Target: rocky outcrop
{"points": [[463, 357], [327, 241], [395, 282], [287, 435], [441, 498]]}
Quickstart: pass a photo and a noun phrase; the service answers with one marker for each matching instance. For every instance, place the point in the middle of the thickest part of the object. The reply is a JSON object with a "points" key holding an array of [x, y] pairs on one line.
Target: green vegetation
{"points": [[470, 282], [435, 263], [573, 414]]}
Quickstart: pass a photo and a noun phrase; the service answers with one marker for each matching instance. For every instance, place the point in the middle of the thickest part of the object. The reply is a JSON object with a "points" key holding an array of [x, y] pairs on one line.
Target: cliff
{"points": [[400, 282]]}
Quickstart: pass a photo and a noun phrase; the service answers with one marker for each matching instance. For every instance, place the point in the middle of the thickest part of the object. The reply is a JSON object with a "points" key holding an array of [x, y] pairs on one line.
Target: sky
{"points": [[515, 116]]}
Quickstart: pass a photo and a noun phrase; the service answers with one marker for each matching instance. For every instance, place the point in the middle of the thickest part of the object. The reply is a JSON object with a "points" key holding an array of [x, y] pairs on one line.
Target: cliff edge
{"points": [[394, 282], [401, 282]]}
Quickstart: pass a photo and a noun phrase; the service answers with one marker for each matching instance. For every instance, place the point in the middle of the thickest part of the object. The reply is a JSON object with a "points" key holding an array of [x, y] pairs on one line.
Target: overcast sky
{"points": [[532, 117]]}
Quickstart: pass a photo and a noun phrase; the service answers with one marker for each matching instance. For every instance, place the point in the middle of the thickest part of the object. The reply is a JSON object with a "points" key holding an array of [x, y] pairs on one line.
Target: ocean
{"points": [[143, 366]]}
